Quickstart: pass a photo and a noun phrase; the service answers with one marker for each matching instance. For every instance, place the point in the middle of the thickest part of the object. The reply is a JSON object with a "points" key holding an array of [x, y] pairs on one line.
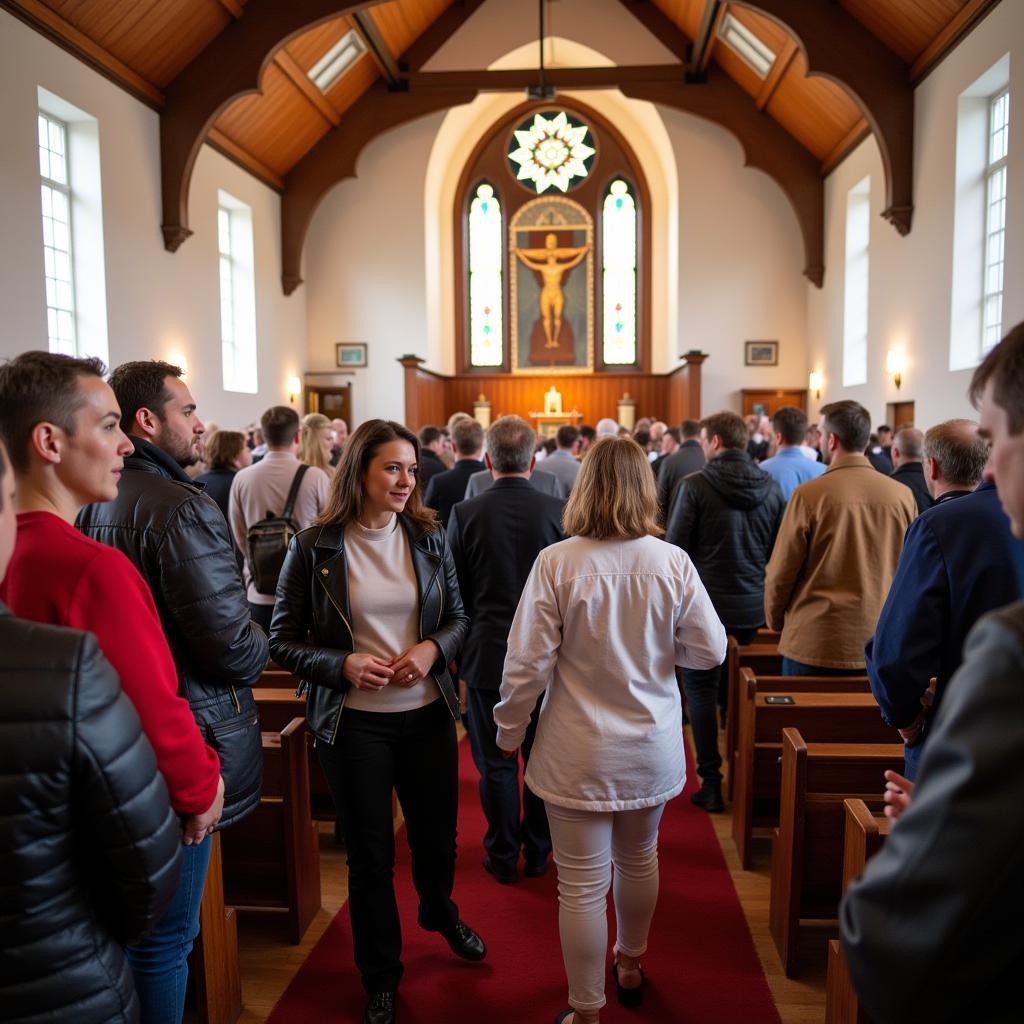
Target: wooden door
{"points": [[899, 414], [334, 401], [765, 401]]}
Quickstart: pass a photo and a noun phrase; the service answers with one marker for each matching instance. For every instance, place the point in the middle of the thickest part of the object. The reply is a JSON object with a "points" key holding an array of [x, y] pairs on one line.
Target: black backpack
{"points": [[267, 541]]}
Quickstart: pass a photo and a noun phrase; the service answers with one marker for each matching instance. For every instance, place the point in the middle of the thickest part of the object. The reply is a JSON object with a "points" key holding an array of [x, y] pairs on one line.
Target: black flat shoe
{"points": [[465, 942], [536, 868], [628, 996], [380, 1008], [709, 798], [501, 874]]}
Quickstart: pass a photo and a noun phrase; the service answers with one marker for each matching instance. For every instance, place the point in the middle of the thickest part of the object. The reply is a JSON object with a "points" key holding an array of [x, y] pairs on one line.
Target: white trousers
{"points": [[586, 846]]}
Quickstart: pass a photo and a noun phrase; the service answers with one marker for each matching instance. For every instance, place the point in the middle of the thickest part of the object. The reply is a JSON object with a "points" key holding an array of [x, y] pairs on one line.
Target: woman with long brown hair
{"points": [[604, 619], [368, 616]]}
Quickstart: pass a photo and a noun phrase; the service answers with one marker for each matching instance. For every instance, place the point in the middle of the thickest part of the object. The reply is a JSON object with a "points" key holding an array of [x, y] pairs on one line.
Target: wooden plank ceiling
{"points": [[149, 42]]}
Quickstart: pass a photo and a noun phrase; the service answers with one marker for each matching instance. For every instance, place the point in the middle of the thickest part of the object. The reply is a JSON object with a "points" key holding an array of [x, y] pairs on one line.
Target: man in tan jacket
{"points": [[836, 553]]}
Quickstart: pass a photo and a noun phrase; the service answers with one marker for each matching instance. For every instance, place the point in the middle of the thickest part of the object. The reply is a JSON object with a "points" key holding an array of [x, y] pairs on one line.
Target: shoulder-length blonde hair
{"points": [[345, 501], [310, 451], [614, 495]]}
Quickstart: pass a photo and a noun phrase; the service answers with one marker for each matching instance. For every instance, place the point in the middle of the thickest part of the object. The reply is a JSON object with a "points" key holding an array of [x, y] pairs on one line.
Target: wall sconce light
{"points": [[896, 366], [814, 383], [178, 359], [294, 388]]}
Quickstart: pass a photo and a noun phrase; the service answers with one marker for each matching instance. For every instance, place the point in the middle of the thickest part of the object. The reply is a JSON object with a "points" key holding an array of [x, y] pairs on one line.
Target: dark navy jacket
{"points": [[959, 562]]}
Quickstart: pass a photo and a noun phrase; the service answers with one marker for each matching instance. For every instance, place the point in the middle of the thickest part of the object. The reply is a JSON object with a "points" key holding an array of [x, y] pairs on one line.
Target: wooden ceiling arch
{"points": [[230, 66]]}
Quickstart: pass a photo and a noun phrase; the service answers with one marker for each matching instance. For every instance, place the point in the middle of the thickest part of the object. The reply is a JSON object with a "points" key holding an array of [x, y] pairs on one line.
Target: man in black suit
{"points": [[449, 487], [908, 458], [431, 447], [495, 539], [688, 459]]}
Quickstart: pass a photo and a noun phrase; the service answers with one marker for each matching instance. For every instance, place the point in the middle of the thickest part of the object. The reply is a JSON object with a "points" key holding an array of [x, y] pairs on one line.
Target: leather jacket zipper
{"points": [[351, 636]]}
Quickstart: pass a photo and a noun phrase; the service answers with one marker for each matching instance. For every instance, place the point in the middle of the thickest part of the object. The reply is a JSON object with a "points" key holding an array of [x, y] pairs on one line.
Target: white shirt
{"points": [[601, 626]]}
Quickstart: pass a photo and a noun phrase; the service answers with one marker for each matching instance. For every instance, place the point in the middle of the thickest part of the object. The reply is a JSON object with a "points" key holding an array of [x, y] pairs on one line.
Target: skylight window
{"points": [[337, 60], [739, 38]]}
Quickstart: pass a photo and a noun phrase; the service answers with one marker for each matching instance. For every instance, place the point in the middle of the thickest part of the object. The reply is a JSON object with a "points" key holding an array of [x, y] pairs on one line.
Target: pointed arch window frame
{"points": [[627, 167], [499, 321]]}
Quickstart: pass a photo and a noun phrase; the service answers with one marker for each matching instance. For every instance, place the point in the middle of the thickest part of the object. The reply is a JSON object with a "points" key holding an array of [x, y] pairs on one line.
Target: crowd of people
{"points": [[562, 597]]}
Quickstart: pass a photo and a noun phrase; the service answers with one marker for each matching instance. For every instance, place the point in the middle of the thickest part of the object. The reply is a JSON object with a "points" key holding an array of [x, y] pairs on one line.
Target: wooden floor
{"points": [[269, 961]]}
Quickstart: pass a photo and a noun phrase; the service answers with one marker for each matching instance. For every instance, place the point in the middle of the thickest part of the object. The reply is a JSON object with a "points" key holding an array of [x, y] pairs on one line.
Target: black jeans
{"points": [[416, 753], [706, 690], [499, 788]]}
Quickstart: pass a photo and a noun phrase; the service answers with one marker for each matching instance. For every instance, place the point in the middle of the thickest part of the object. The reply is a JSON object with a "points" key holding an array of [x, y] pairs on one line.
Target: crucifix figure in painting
{"points": [[547, 263]]}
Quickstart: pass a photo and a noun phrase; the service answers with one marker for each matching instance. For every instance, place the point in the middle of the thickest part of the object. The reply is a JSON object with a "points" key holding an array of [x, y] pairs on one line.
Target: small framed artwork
{"points": [[761, 353], [350, 354]]}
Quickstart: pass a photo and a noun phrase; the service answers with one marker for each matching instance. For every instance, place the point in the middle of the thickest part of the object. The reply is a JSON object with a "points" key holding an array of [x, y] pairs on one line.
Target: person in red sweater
{"points": [[60, 421]]}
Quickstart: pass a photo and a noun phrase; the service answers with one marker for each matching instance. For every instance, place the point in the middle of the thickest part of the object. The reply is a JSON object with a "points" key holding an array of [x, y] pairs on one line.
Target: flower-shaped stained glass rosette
{"points": [[552, 152]]}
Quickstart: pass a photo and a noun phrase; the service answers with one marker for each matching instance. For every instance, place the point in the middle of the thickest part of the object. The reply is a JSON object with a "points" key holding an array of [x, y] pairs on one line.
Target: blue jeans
{"points": [[159, 962], [798, 668]]}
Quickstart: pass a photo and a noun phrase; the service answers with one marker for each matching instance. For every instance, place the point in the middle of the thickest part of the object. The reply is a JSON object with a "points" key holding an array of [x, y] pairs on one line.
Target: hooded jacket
{"points": [[726, 517]]}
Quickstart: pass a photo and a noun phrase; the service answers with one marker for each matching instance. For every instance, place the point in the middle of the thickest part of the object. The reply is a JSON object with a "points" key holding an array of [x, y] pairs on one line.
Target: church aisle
{"points": [[702, 965]]}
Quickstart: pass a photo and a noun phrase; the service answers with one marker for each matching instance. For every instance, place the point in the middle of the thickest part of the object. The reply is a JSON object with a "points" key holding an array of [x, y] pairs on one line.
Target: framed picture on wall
{"points": [[761, 353], [350, 354]]}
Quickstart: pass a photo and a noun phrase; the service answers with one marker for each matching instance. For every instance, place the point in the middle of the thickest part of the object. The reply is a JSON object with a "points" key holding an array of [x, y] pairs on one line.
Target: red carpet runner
{"points": [[701, 965]]}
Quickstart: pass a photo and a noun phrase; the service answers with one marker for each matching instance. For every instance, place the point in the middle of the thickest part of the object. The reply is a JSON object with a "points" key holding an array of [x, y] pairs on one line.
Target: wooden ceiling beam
{"points": [[767, 146], [421, 49], [226, 146], [334, 158], [661, 26], [50, 24], [379, 49], [287, 64], [561, 78], [700, 54], [853, 138], [231, 65], [947, 40], [875, 77], [233, 7], [775, 74]]}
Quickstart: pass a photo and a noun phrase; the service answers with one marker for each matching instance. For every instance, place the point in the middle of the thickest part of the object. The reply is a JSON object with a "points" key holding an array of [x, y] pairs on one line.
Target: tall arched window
{"points": [[552, 266]]}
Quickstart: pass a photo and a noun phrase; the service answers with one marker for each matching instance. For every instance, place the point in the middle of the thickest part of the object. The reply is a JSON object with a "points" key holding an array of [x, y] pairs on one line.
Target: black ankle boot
{"points": [[380, 1008], [709, 796]]}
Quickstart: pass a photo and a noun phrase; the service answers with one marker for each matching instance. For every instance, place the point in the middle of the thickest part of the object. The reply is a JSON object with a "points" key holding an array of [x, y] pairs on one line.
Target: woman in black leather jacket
{"points": [[368, 615]]}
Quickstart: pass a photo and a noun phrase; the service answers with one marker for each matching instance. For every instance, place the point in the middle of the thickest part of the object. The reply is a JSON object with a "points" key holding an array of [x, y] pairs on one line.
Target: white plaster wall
{"points": [[159, 305], [910, 278]]}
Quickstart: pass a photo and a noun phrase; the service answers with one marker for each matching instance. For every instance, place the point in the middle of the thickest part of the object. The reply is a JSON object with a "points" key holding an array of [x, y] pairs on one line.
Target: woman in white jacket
{"points": [[604, 619]]}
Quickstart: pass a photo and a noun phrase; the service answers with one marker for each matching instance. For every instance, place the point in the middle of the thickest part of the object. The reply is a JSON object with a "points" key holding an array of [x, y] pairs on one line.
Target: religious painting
{"points": [[551, 254]]}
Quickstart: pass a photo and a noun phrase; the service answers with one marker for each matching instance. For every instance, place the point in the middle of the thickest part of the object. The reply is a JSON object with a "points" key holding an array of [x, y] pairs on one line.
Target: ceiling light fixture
{"points": [[337, 60], [740, 39]]}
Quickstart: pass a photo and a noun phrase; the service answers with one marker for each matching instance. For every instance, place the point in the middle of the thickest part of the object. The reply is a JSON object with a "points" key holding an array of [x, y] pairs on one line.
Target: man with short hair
{"points": [[60, 421], [688, 459], [431, 449], [449, 487], [670, 442], [907, 457], [495, 539], [789, 467], [562, 463], [878, 457], [931, 930], [340, 428], [757, 429], [261, 491], [885, 439], [836, 553], [725, 517], [655, 433], [607, 428], [944, 583]]}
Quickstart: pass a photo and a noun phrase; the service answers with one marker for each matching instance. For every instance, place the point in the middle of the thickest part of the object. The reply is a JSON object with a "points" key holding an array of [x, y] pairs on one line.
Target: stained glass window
{"points": [[618, 252], [486, 344], [552, 152]]}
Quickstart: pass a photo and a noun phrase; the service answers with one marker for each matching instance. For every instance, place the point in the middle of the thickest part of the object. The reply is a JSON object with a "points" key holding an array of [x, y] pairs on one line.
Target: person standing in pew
{"points": [[89, 846], [368, 615], [178, 540], [932, 930], [945, 581], [725, 517], [603, 620], [836, 553], [61, 423]]}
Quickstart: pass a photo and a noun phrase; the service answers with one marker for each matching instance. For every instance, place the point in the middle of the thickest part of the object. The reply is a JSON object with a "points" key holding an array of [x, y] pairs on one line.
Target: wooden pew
{"points": [[863, 838], [819, 713], [272, 857], [213, 964], [807, 851], [760, 658]]}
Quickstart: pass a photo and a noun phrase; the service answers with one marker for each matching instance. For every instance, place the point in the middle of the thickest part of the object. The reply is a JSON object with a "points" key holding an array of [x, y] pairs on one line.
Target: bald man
{"points": [[908, 458]]}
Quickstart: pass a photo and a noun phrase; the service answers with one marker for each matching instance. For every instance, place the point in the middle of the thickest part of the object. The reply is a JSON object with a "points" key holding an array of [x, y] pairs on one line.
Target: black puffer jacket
{"points": [[89, 845], [179, 541], [725, 518], [311, 633]]}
